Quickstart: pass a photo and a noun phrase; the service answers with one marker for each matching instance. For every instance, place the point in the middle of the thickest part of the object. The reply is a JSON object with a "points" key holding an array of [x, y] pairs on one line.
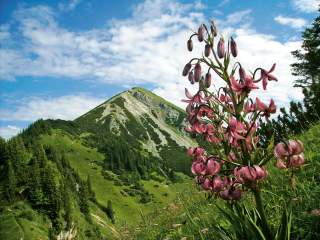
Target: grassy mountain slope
{"points": [[132, 147]]}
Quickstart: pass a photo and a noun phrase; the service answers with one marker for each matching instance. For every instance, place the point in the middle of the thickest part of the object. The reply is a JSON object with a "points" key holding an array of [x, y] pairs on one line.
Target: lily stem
{"points": [[260, 208]]}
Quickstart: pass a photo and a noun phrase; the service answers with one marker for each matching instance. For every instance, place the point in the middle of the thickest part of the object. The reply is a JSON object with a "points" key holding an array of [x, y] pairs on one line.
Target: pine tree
{"points": [[110, 212], [66, 203], [11, 182], [84, 200], [308, 71], [19, 158], [92, 195], [3, 151]]}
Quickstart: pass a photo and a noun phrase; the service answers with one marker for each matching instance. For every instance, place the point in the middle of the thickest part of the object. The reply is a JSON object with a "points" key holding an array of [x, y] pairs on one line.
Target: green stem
{"points": [[264, 222]]}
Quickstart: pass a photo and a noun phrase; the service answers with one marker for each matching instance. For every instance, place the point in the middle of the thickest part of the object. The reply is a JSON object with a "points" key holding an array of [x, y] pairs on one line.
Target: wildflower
{"points": [[233, 46], [267, 110], [217, 184], [207, 82], [197, 72], [186, 69], [213, 167], [201, 33], [198, 167], [220, 48], [267, 76]]}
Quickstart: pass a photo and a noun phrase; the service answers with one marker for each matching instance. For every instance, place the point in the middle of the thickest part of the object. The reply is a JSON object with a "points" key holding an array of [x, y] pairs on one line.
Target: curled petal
{"points": [[207, 184], [281, 164], [281, 150], [198, 168], [190, 151], [187, 93], [199, 151], [213, 167], [260, 105], [296, 160], [296, 147], [217, 184]]}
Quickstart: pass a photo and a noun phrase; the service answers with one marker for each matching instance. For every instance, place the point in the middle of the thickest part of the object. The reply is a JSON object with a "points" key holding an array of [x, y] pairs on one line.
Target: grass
{"points": [[193, 216], [87, 161]]}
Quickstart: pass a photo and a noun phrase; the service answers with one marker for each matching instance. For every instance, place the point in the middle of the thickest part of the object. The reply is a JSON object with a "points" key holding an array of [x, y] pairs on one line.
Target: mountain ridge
{"points": [[126, 154]]}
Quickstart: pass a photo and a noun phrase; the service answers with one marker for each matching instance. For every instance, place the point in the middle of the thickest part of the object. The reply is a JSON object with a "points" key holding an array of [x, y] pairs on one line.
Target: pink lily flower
{"points": [[267, 110], [213, 167], [217, 184], [198, 168], [267, 76], [207, 184], [296, 160], [296, 147]]}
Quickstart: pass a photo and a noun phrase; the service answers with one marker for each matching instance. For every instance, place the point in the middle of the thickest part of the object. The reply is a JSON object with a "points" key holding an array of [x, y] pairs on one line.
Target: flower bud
{"points": [[213, 29], [201, 33], [190, 45], [197, 72], [233, 46], [207, 49], [186, 69], [207, 81], [191, 77], [242, 73], [220, 48]]}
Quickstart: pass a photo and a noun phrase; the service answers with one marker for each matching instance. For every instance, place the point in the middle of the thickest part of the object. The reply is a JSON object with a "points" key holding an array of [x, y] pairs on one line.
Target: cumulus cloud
{"points": [[9, 131], [291, 22], [147, 48], [307, 6], [66, 107]]}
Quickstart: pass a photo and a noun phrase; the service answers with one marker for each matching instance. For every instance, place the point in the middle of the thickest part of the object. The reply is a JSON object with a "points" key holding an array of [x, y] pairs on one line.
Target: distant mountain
{"points": [[90, 176]]}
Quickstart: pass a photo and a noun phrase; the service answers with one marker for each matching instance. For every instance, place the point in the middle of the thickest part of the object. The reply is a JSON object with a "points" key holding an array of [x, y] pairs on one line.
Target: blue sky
{"points": [[59, 59]]}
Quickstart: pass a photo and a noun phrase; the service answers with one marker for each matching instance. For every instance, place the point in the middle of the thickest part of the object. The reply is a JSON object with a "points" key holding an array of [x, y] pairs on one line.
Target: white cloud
{"points": [[69, 6], [66, 107], [147, 48], [9, 131], [291, 22], [307, 6]]}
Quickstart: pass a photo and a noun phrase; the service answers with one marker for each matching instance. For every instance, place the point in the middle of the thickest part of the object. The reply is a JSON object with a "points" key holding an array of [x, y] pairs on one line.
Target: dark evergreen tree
{"points": [[308, 70], [66, 202], [3, 151], [84, 200], [91, 193], [10, 182], [19, 158], [110, 212]]}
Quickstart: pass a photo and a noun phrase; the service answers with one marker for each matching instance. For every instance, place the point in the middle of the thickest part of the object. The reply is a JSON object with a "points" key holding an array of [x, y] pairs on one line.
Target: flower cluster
{"points": [[227, 119], [289, 154]]}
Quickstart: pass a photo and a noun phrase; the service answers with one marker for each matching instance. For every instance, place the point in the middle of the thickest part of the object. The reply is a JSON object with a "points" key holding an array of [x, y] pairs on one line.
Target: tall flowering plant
{"points": [[227, 119]]}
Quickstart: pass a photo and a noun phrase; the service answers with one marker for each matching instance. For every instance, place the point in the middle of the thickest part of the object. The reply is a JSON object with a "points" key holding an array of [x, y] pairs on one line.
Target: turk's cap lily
{"points": [[198, 168], [213, 167], [296, 147], [267, 76]]}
